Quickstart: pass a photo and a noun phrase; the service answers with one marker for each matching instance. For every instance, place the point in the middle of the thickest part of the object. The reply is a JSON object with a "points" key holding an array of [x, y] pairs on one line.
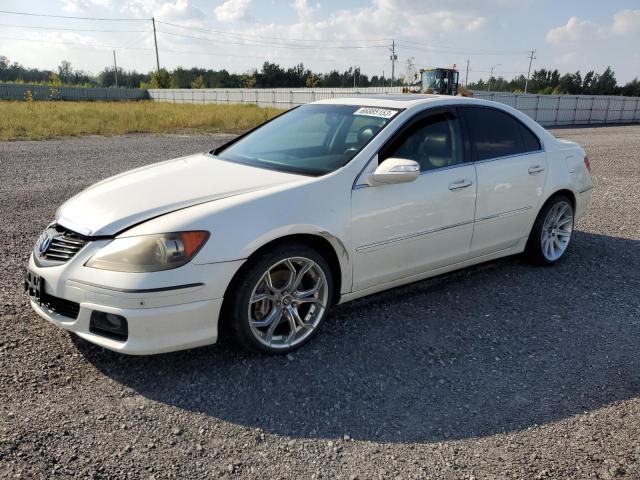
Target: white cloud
{"points": [[232, 10], [575, 31], [626, 21], [83, 6], [585, 45], [181, 12], [178, 11], [303, 10]]}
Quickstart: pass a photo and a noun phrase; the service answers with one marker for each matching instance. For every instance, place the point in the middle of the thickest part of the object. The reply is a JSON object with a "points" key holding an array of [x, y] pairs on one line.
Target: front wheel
{"points": [[280, 299], [551, 233]]}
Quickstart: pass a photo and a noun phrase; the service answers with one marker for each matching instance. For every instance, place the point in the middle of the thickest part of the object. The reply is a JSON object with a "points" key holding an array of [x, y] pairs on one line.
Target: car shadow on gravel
{"points": [[498, 347]]}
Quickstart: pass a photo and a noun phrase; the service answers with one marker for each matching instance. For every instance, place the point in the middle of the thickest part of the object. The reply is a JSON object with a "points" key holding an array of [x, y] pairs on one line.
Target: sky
{"points": [[240, 35]]}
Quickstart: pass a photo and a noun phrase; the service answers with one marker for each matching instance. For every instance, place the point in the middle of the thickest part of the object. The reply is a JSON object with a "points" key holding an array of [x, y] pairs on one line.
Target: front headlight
{"points": [[149, 253]]}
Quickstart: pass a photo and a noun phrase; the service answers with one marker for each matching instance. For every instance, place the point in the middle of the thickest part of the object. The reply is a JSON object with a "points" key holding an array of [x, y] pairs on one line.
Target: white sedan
{"points": [[326, 203]]}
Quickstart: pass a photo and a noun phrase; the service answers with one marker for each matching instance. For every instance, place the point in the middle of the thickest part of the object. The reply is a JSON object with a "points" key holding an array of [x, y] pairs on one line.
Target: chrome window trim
{"points": [[491, 107], [493, 159], [411, 236], [448, 167]]}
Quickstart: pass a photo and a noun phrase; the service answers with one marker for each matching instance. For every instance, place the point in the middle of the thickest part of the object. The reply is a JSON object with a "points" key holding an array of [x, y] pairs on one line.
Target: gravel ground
{"points": [[499, 371]]}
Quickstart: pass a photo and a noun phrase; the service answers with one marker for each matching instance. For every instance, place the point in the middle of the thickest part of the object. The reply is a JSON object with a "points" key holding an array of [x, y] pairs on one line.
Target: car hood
{"points": [[130, 198]]}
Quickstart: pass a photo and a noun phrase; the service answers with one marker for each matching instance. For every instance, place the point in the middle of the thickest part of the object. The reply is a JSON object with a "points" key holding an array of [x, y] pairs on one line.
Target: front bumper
{"points": [[159, 320]]}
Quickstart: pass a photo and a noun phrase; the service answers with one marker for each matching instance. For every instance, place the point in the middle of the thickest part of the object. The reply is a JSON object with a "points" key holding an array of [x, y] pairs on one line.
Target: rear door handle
{"points": [[458, 184], [536, 169]]}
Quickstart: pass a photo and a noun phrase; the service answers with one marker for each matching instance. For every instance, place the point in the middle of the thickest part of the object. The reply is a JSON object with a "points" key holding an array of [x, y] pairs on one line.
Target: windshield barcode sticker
{"points": [[376, 112]]}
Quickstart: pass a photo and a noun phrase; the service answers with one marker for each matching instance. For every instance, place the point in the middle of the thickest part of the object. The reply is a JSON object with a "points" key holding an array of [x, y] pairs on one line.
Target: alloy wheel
{"points": [[288, 302], [556, 231]]}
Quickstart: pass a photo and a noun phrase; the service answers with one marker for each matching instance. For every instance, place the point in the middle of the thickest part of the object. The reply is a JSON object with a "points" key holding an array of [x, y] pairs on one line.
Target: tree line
{"points": [[550, 82], [272, 75]]}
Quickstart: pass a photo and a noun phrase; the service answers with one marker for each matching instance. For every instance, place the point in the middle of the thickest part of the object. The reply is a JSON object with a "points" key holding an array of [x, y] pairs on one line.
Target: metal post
{"points": [[155, 40], [526, 83], [466, 78], [491, 75], [115, 67], [393, 58], [606, 115]]}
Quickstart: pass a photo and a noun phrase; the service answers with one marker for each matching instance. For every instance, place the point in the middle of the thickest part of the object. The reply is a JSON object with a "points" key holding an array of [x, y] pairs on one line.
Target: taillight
{"points": [[587, 163]]}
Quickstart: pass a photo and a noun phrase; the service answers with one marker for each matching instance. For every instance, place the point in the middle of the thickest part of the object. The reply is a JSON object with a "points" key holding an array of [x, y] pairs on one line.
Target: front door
{"points": [[407, 229]]}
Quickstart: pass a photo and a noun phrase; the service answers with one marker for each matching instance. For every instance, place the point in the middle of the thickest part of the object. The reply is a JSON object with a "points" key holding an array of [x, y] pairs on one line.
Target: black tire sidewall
{"points": [[534, 243], [251, 273]]}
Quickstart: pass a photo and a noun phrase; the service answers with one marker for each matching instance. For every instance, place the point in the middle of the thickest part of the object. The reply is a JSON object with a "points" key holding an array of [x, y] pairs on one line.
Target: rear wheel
{"points": [[280, 299], [552, 230]]}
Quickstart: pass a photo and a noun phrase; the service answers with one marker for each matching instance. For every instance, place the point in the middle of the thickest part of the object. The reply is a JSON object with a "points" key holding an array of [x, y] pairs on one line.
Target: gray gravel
{"points": [[499, 371]]}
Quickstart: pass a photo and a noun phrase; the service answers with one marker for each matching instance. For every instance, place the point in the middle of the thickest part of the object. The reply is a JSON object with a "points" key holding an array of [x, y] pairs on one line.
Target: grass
{"points": [[31, 120]]}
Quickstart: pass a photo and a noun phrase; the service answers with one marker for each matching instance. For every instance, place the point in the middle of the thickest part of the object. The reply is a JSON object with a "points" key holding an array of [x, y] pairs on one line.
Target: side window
{"points": [[434, 142], [531, 142], [497, 134]]}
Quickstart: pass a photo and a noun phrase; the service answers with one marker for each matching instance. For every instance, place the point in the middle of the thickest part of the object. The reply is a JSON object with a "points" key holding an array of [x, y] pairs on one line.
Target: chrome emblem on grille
{"points": [[45, 241]]}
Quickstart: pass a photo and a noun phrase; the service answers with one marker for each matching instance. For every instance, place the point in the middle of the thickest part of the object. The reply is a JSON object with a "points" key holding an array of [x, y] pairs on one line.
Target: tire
{"points": [[551, 233], [274, 309]]}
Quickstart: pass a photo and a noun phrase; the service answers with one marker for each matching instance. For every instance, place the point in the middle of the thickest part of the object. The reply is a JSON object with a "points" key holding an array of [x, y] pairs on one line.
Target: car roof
{"points": [[398, 100]]}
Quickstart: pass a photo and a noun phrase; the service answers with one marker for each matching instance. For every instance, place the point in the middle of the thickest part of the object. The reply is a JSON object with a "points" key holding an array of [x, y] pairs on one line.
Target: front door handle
{"points": [[458, 184], [536, 169]]}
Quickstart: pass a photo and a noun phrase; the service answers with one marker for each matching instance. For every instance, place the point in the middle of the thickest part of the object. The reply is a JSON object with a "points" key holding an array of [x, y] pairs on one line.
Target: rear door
{"points": [[511, 169]]}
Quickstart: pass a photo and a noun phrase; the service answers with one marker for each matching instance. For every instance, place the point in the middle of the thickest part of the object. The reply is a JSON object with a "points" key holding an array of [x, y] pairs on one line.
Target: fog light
{"points": [[109, 325]]}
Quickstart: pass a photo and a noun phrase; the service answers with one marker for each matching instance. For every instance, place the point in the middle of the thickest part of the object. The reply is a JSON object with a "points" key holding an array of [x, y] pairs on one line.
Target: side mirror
{"points": [[395, 170]]}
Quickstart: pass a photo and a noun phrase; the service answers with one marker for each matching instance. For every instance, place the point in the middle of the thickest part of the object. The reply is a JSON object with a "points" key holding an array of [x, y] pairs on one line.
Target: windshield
{"points": [[311, 139], [433, 80]]}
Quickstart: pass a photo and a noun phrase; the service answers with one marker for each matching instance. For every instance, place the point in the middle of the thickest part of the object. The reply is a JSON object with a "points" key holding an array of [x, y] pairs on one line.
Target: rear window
{"points": [[494, 133]]}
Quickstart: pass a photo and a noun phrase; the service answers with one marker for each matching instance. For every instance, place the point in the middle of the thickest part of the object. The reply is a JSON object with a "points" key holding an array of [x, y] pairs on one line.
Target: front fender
{"points": [[242, 224]]}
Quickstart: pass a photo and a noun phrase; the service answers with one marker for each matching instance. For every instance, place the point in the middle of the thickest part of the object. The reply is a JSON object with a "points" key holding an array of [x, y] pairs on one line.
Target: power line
{"points": [[483, 50], [71, 17], [182, 52], [266, 44], [455, 51], [253, 36], [71, 29], [75, 44]]}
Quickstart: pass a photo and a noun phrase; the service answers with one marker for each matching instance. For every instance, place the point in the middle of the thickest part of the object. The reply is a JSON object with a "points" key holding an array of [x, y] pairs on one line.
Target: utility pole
{"points": [[393, 58], [531, 58], [115, 67], [155, 40], [491, 75], [354, 77], [466, 78]]}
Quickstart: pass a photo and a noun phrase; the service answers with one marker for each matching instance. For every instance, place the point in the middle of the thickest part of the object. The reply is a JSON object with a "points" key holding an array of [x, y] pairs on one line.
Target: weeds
{"points": [[30, 120]]}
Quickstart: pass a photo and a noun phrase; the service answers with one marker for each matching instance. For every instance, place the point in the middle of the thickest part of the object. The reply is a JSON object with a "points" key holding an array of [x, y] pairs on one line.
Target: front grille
{"points": [[61, 306], [64, 244]]}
